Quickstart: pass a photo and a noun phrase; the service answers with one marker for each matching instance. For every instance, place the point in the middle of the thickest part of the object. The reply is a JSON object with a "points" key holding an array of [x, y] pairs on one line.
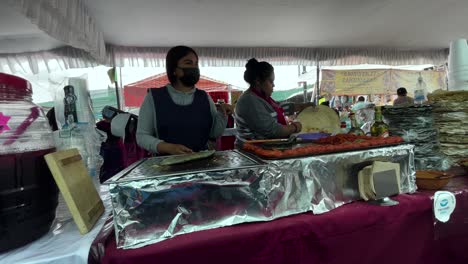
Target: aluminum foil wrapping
{"points": [[332, 179], [148, 211], [151, 210]]}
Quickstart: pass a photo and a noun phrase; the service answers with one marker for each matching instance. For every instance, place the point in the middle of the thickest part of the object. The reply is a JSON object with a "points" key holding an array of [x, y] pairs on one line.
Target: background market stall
{"points": [[135, 92]]}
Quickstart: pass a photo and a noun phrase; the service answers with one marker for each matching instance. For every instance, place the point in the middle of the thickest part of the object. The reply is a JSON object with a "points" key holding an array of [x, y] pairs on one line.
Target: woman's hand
{"points": [[226, 109], [173, 149], [291, 128], [297, 127]]}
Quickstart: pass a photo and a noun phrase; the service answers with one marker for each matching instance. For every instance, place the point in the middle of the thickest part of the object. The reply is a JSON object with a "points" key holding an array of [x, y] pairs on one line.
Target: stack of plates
{"points": [[415, 125], [451, 119]]}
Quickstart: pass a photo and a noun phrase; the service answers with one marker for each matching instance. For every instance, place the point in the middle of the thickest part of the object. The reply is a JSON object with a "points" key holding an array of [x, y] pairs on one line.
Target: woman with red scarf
{"points": [[257, 115]]}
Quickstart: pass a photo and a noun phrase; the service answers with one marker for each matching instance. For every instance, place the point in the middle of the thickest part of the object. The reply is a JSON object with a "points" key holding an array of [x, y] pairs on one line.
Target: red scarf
{"points": [[279, 111]]}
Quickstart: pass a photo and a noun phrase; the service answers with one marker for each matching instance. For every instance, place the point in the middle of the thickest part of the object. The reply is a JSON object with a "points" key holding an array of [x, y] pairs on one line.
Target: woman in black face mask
{"points": [[179, 118]]}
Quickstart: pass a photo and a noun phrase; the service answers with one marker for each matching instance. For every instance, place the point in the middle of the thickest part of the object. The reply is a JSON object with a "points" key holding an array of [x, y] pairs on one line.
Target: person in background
{"points": [[360, 104], [403, 98], [322, 100], [257, 115], [110, 150], [180, 118], [345, 101]]}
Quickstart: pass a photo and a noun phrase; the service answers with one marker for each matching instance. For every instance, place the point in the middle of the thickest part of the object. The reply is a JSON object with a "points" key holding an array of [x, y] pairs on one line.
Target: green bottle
{"points": [[379, 128]]}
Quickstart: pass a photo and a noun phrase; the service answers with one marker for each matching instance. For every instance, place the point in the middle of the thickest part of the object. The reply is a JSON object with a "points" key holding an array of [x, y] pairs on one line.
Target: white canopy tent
{"points": [[45, 36], [59, 34]]}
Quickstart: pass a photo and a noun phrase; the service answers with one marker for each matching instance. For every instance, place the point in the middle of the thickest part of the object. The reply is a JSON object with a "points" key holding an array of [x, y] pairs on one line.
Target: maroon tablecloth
{"points": [[354, 233]]}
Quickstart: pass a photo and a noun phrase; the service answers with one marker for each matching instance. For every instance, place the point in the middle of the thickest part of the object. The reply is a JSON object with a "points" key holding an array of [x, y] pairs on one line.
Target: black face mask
{"points": [[191, 76]]}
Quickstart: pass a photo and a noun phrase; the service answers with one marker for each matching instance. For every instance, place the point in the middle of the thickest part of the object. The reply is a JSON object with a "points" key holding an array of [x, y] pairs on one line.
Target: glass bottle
{"points": [[355, 129], [379, 128], [69, 103]]}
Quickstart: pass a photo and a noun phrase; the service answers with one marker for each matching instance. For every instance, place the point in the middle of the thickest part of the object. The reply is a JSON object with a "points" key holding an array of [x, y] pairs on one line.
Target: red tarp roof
{"points": [[135, 92]]}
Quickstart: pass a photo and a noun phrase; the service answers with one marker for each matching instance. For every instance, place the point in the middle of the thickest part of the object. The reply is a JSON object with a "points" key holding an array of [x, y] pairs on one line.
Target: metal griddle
{"points": [[221, 160]]}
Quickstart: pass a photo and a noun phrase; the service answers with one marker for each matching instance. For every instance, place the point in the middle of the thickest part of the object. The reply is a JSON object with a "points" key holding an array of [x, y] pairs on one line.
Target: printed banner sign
{"points": [[379, 81]]}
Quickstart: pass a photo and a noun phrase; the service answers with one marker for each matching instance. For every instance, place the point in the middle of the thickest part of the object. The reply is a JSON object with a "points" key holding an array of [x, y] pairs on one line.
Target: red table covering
{"points": [[354, 233]]}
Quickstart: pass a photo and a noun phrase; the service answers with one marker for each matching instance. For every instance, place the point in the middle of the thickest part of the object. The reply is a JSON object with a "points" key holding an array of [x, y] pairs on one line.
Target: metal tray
{"points": [[222, 160]]}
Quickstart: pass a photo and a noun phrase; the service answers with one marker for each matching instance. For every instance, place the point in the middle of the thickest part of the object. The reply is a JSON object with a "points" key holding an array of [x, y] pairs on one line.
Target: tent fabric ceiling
{"points": [[404, 24], [18, 35], [226, 32], [67, 21]]}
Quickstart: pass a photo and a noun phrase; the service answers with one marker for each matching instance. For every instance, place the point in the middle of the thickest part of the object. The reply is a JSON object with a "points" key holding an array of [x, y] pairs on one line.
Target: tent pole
{"points": [[304, 87], [117, 96], [317, 83], [117, 90], [304, 83], [121, 87], [112, 73]]}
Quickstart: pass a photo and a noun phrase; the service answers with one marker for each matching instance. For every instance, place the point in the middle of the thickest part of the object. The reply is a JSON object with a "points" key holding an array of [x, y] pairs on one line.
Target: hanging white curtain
{"points": [[67, 21], [68, 57], [385, 56], [46, 61], [211, 56]]}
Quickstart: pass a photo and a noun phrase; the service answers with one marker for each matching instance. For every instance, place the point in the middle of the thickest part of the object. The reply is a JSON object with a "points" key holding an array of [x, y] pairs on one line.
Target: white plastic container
{"points": [[458, 65]]}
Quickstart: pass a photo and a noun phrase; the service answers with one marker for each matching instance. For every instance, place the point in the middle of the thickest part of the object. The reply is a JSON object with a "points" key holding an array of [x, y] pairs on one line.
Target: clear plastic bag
{"points": [[79, 131]]}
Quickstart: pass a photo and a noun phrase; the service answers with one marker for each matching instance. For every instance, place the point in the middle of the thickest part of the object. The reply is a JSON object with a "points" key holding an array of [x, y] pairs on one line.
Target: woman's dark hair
{"points": [[255, 70], [173, 56], [402, 91]]}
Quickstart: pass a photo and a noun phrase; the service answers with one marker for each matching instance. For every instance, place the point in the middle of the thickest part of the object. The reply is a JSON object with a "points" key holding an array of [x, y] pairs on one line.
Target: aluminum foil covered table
{"points": [[154, 207], [332, 179]]}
